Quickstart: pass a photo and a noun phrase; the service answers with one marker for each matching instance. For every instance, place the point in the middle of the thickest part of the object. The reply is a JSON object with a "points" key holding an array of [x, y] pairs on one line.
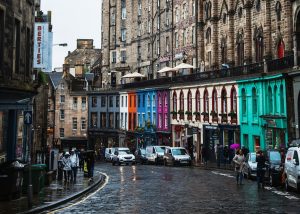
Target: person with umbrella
{"points": [[239, 160]]}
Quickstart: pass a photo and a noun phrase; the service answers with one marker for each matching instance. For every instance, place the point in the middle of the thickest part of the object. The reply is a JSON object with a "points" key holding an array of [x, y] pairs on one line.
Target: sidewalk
{"points": [[213, 165], [54, 195]]}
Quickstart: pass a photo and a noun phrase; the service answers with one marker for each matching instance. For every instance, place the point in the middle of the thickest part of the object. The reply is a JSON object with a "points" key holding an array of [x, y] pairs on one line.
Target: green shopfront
{"points": [[263, 112]]}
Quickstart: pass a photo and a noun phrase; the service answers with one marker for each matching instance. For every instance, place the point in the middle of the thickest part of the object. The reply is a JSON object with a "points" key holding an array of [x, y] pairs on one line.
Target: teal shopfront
{"points": [[263, 112]]}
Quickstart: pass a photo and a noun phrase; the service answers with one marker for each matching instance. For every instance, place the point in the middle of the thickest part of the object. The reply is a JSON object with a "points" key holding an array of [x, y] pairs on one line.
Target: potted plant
{"points": [[188, 112], [213, 113], [197, 113], [205, 114], [232, 114]]}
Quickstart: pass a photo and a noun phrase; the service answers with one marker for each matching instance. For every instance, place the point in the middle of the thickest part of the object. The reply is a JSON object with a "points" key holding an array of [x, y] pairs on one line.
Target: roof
{"points": [[55, 78]]}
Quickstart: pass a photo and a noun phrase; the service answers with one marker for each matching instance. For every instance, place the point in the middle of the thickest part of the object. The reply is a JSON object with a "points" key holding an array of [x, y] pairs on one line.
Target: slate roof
{"points": [[55, 78]]}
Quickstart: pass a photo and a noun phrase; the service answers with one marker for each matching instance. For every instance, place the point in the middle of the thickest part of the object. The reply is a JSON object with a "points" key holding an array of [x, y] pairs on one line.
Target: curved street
{"points": [[159, 189]]}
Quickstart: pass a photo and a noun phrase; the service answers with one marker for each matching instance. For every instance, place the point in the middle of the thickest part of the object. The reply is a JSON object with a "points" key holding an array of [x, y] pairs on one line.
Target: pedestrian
{"points": [[60, 166], [90, 165], [239, 160], [261, 167], [74, 164], [66, 161], [226, 156], [204, 153], [245, 151]]}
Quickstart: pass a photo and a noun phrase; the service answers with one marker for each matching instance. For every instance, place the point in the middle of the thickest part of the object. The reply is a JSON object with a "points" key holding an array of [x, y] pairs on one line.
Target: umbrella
{"points": [[136, 74], [127, 75], [165, 69], [235, 146], [183, 66]]}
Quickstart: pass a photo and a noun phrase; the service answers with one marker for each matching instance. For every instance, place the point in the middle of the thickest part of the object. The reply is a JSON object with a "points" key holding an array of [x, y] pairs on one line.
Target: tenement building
{"points": [[16, 85]]}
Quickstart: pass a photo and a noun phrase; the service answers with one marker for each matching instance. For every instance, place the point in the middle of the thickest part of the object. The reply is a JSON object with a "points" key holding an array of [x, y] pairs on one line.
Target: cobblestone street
{"points": [[159, 189]]}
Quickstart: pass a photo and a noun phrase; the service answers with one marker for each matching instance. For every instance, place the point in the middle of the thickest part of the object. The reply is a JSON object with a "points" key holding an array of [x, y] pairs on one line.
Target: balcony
{"points": [[231, 73]]}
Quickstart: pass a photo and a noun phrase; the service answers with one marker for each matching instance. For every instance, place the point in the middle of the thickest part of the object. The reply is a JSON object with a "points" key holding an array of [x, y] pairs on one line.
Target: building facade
{"points": [[16, 84]]}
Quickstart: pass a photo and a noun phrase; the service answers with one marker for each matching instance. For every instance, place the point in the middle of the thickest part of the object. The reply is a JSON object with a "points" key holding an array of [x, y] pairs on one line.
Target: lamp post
{"points": [[61, 44]]}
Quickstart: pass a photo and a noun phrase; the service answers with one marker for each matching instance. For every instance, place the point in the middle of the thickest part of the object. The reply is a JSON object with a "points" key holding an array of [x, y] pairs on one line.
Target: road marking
{"points": [[223, 174], [281, 193], [85, 198]]}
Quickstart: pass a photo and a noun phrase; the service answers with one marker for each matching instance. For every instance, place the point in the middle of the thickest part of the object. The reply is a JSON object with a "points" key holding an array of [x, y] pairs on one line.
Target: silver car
{"points": [[176, 156], [250, 167]]}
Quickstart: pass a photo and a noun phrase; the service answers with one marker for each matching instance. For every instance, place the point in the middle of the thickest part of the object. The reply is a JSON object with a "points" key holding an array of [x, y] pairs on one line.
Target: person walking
{"points": [[239, 160], [74, 164], [204, 153], [66, 161], [261, 165]]}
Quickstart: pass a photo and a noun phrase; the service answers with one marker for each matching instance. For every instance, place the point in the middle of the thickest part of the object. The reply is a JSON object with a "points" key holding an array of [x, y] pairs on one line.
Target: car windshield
{"points": [[124, 152], [275, 156], [160, 149], [253, 157], [179, 152]]}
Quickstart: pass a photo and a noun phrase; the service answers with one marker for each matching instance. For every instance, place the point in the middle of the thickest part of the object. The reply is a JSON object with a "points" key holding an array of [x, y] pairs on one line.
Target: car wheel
{"points": [[286, 184]]}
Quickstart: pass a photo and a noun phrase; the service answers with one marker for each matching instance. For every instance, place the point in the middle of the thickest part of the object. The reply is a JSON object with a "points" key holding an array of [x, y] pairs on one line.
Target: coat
{"points": [[66, 161], [239, 161]]}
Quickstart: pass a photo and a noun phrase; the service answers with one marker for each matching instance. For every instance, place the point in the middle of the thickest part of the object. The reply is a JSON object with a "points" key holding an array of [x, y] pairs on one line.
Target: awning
{"points": [[183, 66], [165, 69]]}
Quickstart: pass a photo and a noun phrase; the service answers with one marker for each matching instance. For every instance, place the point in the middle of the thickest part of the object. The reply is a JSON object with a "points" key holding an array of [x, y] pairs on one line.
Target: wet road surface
{"points": [[160, 189]]}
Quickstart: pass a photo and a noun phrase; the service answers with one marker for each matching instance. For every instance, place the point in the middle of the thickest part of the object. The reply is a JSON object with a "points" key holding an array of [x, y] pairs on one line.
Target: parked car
{"points": [[140, 156], [292, 168], [250, 167], [154, 154], [176, 156], [122, 155], [109, 152], [273, 167]]}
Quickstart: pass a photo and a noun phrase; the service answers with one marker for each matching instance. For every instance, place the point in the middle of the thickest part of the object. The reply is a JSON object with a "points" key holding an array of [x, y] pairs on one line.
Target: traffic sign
{"points": [[27, 117]]}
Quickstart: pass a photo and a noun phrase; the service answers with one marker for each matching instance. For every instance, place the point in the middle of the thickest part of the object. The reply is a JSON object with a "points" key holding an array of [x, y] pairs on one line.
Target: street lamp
{"points": [[61, 44]]}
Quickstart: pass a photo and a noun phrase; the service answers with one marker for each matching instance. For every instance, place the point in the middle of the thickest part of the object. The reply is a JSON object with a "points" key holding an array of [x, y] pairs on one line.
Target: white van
{"points": [[292, 168], [154, 154], [109, 153], [122, 155]]}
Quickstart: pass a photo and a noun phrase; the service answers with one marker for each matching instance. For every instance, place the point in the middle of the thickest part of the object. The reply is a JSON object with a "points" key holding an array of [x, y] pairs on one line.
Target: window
{"points": [[154, 119], [174, 102], [244, 102], [159, 100], [125, 120], [193, 8], [130, 98], [123, 56], [167, 44], [117, 101], [112, 16], [123, 35], [167, 19], [190, 102], [206, 101], [176, 15], [233, 100], [176, 40], [125, 101], [158, 47], [62, 98], [103, 119], [197, 103], [111, 120], [75, 102], [62, 86], [278, 10], [122, 101], [134, 101], [181, 104], [111, 101], [2, 26], [223, 51], [83, 103], [123, 8], [270, 100], [185, 12], [83, 123], [74, 123], [103, 101], [215, 101], [259, 45], [117, 118], [258, 6], [130, 121], [139, 8], [208, 35], [122, 120], [193, 35], [94, 119], [166, 121], [16, 47], [207, 10], [113, 57], [62, 114], [254, 102], [224, 101], [160, 120], [94, 101], [240, 49], [149, 101], [158, 22], [165, 100], [62, 132]]}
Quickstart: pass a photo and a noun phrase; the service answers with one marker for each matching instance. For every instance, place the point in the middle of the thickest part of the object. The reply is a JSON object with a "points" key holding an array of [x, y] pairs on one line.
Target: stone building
{"points": [[16, 85]]}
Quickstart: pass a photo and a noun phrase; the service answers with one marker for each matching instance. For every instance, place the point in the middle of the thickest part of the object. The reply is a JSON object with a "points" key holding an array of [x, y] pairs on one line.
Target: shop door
{"points": [[280, 50]]}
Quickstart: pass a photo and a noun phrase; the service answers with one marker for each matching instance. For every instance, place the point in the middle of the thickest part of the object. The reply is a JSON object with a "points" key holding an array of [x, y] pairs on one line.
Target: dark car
{"points": [[273, 167], [140, 156]]}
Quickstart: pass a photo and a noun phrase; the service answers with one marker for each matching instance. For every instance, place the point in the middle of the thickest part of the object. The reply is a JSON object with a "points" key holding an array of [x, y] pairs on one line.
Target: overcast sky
{"points": [[72, 20]]}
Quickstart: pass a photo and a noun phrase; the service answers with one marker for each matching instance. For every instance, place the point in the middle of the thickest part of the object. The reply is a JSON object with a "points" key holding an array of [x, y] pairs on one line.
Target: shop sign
{"points": [[211, 127]]}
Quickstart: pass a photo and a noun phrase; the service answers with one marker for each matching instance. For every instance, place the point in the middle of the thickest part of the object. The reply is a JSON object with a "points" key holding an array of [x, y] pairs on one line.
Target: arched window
{"points": [[208, 35], [281, 100], [224, 101], [278, 10], [254, 101], [149, 100], [240, 49], [205, 102], [190, 102], [244, 102], [223, 51], [215, 101], [174, 102], [259, 45], [270, 100], [207, 10], [233, 100], [181, 106], [197, 103], [275, 100], [280, 49]]}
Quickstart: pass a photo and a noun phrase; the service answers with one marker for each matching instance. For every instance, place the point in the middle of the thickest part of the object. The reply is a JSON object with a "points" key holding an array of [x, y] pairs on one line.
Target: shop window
{"points": [[244, 103], [254, 102], [270, 100]]}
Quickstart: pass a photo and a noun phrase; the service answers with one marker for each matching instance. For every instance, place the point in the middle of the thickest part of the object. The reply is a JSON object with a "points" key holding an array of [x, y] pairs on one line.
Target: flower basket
{"points": [[188, 112], [232, 114], [197, 113], [205, 114], [213, 114]]}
